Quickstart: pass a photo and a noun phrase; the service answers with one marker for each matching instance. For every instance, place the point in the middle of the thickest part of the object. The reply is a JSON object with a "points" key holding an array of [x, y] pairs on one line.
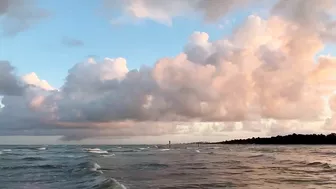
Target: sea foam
{"points": [[96, 151]]}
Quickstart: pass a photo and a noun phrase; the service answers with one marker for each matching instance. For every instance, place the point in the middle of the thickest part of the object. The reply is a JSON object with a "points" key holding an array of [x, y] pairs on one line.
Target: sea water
{"points": [[182, 166]]}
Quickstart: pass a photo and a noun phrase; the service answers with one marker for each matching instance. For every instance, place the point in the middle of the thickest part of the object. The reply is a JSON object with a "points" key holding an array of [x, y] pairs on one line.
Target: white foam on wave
{"points": [[165, 149], [96, 151], [42, 148], [119, 147], [197, 151], [72, 156], [95, 168], [92, 149], [118, 185], [6, 150], [108, 155]]}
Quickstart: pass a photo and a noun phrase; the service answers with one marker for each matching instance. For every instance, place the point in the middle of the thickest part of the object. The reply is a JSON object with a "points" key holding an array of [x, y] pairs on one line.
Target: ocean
{"points": [[182, 166]]}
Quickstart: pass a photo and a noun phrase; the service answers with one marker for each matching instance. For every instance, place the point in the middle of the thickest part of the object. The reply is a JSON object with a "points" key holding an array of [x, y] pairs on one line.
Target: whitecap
{"points": [[108, 155], [97, 151], [93, 149], [95, 168], [6, 150], [118, 185], [197, 151], [165, 149], [73, 156], [42, 148]]}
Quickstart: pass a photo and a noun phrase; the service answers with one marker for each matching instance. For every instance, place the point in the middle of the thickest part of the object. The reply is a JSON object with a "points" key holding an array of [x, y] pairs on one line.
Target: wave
{"points": [[72, 156], [99, 152], [256, 156], [108, 155], [93, 177], [100, 181], [287, 161], [152, 166], [319, 164], [42, 148], [96, 151], [45, 166], [144, 148], [164, 149], [96, 168], [325, 153], [6, 150], [33, 159], [125, 151], [109, 184]]}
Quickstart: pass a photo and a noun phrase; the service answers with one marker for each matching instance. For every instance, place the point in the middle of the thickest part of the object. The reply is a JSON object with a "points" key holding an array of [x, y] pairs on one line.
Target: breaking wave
{"points": [[108, 155], [165, 149], [96, 151]]}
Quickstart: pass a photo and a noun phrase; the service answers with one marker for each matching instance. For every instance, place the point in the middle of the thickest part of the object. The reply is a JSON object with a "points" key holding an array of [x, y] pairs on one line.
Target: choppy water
{"points": [[120, 167]]}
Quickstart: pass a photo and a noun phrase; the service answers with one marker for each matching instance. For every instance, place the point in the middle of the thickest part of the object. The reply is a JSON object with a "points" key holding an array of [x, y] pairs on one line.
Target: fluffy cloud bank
{"points": [[265, 77]]}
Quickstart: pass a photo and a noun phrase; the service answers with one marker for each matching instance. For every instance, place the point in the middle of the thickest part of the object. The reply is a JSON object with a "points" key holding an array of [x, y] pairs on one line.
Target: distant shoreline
{"points": [[293, 139]]}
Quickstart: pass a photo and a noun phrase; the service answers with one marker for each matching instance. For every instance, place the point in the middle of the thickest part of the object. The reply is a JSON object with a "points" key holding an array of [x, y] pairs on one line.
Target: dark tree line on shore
{"points": [[311, 139]]}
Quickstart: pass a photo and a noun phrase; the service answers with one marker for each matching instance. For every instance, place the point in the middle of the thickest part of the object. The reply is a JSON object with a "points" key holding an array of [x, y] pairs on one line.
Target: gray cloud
{"points": [[71, 42], [19, 15], [9, 83]]}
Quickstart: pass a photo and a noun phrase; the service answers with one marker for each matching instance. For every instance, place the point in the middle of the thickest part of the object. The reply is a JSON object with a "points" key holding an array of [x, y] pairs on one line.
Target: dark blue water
{"points": [[108, 167]]}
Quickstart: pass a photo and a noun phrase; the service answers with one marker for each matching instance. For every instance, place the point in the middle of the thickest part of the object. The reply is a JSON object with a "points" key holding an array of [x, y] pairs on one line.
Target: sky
{"points": [[148, 71]]}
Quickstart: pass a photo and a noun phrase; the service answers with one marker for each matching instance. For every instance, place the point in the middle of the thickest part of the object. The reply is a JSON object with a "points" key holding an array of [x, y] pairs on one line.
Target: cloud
{"points": [[164, 11], [33, 79], [9, 83], [315, 15], [19, 15], [70, 42], [264, 78]]}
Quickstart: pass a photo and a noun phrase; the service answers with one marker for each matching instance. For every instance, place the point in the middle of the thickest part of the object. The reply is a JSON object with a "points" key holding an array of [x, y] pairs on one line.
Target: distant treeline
{"points": [[311, 139]]}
